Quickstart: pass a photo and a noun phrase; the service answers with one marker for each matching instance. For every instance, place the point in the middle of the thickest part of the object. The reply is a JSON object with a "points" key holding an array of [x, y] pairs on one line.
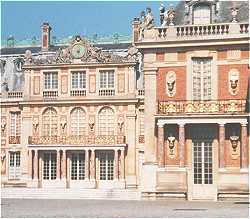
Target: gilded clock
{"points": [[78, 51]]}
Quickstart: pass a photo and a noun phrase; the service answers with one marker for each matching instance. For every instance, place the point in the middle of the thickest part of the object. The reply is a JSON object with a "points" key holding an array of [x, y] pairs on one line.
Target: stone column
{"points": [[92, 167], [64, 164], [116, 162], [182, 144], [160, 146], [86, 164], [35, 165], [30, 164], [58, 165], [244, 146], [68, 169], [122, 167], [40, 169], [222, 145]]}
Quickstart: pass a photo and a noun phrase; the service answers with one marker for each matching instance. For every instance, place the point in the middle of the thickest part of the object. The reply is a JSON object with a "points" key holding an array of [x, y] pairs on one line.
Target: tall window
{"points": [[78, 166], [78, 122], [141, 122], [50, 122], [201, 79], [50, 80], [106, 121], [107, 80], [14, 165], [15, 124], [201, 14], [78, 80]]}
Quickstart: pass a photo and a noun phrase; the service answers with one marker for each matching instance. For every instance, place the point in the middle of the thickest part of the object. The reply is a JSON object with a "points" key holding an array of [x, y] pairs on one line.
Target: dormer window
{"points": [[202, 14]]}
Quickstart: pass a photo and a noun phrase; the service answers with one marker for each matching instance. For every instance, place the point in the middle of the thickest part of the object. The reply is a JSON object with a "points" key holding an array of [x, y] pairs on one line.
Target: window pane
{"points": [[50, 122], [106, 121], [50, 80], [78, 122]]}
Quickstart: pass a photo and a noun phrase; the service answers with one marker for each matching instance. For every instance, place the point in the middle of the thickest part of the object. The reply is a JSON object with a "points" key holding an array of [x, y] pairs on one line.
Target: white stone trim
{"points": [[164, 121]]}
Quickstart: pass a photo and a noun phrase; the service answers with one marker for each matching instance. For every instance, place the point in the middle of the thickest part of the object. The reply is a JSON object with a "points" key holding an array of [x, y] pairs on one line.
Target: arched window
{"points": [[50, 122], [78, 122], [201, 14], [106, 121]]}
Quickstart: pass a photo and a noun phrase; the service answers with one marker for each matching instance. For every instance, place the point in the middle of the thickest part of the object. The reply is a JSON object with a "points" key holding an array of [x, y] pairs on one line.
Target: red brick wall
{"points": [[180, 83], [223, 92]]}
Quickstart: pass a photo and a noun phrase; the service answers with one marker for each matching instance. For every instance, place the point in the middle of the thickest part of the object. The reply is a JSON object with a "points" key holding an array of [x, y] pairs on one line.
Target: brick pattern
{"points": [[223, 92], [180, 83]]}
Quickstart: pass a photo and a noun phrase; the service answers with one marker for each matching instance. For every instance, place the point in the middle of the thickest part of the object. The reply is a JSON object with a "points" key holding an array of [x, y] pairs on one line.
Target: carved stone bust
{"points": [[171, 83], [233, 81]]}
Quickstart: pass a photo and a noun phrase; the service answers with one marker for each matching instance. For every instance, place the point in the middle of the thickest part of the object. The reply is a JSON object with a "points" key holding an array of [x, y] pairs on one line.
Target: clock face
{"points": [[78, 51]]}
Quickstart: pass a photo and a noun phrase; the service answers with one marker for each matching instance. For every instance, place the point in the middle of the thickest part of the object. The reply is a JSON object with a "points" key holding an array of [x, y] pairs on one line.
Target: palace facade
{"points": [[75, 115]]}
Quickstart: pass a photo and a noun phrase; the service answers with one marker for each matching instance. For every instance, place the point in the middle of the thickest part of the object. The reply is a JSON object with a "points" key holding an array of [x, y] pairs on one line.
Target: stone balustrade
{"points": [[192, 32], [50, 94], [202, 107], [77, 140], [14, 140], [107, 92], [77, 93]]}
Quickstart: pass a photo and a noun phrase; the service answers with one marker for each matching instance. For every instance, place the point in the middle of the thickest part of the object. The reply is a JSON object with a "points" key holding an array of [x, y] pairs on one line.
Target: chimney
{"points": [[136, 29], [45, 36]]}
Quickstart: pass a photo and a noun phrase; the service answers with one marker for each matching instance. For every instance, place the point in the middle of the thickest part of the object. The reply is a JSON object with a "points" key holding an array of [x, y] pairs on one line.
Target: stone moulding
{"points": [[209, 106], [77, 140]]}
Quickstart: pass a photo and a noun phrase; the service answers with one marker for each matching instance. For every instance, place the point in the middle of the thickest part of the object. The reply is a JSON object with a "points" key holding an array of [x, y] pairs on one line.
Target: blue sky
{"points": [[23, 19]]}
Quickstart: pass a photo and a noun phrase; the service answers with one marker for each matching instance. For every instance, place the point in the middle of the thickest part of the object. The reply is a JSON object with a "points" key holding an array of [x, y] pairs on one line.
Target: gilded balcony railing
{"points": [[202, 107], [14, 140], [77, 140]]}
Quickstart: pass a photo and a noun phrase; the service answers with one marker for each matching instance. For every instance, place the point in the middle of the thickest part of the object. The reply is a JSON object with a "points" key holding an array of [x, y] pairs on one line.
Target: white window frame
{"points": [[52, 124], [106, 121], [50, 166], [106, 165], [50, 81], [80, 79], [78, 123], [15, 165], [203, 76], [15, 123], [106, 79], [75, 170]]}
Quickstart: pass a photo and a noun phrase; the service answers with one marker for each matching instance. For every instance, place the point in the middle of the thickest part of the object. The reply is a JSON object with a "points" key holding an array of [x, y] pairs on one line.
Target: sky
{"points": [[23, 19]]}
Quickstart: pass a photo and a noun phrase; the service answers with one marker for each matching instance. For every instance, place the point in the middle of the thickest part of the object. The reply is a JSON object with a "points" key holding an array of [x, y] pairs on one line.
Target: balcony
{"points": [[77, 140], [202, 107], [14, 140], [107, 92], [140, 93], [50, 94], [196, 32], [78, 93]]}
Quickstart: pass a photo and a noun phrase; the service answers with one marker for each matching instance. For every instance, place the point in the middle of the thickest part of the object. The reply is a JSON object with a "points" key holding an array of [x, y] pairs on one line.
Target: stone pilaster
{"points": [[87, 164], [160, 146], [131, 152], [63, 169], [58, 165], [68, 155], [116, 162], [244, 147], [182, 144], [40, 174], [122, 166], [92, 167], [30, 163], [35, 165], [222, 145]]}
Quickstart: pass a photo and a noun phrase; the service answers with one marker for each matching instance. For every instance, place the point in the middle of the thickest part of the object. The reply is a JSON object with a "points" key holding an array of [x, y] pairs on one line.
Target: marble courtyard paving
{"points": [[116, 208]]}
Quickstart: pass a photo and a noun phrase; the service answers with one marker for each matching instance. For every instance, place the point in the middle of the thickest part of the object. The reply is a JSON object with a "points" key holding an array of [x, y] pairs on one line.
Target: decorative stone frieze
{"points": [[3, 126]]}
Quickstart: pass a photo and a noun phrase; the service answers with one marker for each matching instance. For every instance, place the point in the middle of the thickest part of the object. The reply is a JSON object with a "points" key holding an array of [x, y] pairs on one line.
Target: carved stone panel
{"points": [[36, 85], [171, 83], [35, 124], [3, 126], [64, 84], [91, 124], [121, 83], [233, 81], [120, 123], [92, 83]]}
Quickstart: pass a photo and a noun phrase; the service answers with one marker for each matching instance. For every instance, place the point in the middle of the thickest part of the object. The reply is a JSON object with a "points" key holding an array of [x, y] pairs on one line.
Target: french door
{"points": [[14, 165], [106, 165], [203, 183], [49, 166], [78, 166]]}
